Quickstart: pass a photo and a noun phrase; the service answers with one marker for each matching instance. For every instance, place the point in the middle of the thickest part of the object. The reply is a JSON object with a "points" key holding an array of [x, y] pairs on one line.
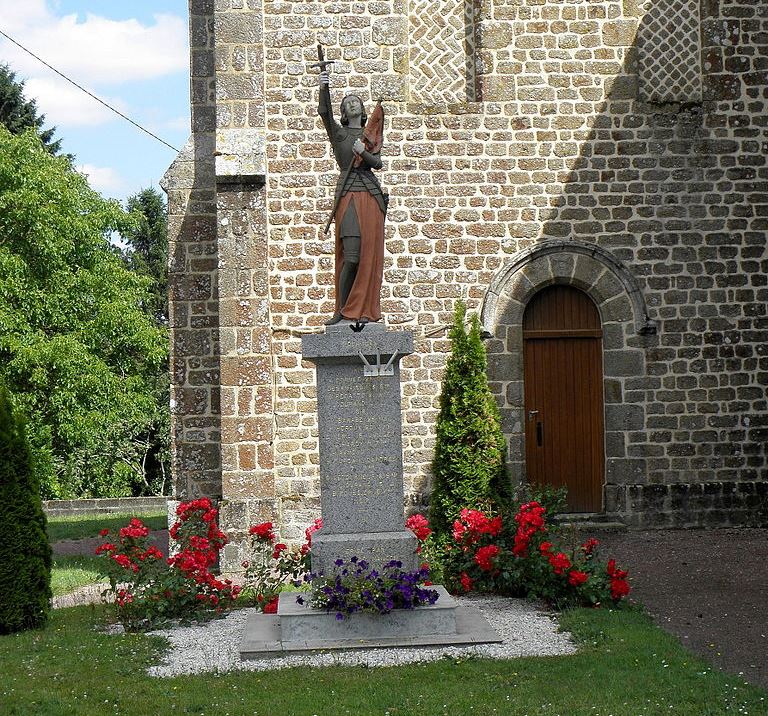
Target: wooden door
{"points": [[564, 395]]}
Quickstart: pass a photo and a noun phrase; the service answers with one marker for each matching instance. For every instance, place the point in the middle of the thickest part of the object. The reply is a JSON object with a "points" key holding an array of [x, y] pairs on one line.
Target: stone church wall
{"points": [[519, 134]]}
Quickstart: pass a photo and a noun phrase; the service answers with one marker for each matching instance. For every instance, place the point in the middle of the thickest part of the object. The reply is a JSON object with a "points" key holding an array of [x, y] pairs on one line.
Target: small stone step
{"points": [[593, 526]]}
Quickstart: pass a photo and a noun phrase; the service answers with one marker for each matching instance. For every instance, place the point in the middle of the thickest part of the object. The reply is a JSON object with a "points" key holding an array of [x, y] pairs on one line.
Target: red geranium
{"points": [[466, 582]]}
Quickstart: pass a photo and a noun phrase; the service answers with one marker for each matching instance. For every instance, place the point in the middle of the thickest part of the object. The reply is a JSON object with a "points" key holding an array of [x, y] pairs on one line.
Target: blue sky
{"points": [[131, 53]]}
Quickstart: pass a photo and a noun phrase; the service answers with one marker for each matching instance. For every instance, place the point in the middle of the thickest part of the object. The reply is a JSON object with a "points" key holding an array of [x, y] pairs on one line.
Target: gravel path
{"points": [[526, 630]]}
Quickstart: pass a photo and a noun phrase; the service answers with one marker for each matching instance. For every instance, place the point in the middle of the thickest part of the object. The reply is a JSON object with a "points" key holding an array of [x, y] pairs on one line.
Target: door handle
{"points": [[532, 414], [539, 433]]}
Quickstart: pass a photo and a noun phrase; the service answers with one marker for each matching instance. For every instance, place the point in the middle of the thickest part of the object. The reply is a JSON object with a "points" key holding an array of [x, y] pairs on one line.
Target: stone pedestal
{"points": [[361, 498], [299, 628], [361, 452]]}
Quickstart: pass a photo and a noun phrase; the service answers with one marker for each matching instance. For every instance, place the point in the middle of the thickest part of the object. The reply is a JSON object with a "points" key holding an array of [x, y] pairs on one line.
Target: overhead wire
{"points": [[90, 94]]}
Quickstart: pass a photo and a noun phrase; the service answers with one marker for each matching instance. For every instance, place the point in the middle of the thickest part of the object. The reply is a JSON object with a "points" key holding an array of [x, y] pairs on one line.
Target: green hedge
{"points": [[25, 555]]}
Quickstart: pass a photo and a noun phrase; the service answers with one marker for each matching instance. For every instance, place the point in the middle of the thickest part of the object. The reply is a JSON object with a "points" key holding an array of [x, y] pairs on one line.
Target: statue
{"points": [[360, 205]]}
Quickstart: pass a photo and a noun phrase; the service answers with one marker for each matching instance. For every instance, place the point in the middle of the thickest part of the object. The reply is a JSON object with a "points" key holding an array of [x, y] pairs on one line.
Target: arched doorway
{"points": [[563, 373]]}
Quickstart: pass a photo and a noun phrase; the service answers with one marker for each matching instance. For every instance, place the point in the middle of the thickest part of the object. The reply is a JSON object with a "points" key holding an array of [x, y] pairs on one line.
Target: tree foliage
{"points": [[146, 253], [25, 555], [76, 346], [18, 114], [468, 467], [147, 247]]}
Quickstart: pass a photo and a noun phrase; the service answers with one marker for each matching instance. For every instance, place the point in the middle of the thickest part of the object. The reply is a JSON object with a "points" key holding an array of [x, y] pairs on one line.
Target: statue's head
{"points": [[349, 106]]}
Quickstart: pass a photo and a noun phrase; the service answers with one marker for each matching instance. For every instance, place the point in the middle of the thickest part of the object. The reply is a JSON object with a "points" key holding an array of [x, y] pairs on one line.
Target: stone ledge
{"points": [[263, 634], [371, 340]]}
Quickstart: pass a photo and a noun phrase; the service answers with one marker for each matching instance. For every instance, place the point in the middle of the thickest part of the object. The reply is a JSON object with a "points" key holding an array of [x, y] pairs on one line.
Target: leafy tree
{"points": [[146, 253], [76, 348], [18, 114], [25, 555], [468, 467], [147, 247]]}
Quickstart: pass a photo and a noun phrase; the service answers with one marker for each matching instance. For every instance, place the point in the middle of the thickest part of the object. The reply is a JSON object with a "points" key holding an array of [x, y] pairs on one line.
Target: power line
{"points": [[90, 94]]}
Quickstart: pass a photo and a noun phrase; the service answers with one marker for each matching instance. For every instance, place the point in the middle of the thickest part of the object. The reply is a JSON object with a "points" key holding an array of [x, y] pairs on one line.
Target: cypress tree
{"points": [[468, 467], [25, 555]]}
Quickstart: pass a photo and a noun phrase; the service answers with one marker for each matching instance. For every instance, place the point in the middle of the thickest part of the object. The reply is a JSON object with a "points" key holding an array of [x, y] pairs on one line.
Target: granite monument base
{"points": [[377, 548], [298, 628]]}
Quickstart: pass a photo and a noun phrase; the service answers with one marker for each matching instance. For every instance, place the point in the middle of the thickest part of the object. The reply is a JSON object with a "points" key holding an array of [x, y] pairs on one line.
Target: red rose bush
{"points": [[150, 590], [518, 556], [273, 565]]}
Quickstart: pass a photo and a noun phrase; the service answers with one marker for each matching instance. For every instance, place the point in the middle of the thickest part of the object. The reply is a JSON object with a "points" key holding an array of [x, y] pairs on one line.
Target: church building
{"points": [[589, 176]]}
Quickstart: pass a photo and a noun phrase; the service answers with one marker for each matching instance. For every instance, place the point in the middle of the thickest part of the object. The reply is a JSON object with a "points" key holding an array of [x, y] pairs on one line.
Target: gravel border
{"points": [[526, 630]]}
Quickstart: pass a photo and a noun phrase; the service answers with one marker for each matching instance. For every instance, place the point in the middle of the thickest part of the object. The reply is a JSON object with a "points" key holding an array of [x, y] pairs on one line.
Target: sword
{"points": [[322, 63]]}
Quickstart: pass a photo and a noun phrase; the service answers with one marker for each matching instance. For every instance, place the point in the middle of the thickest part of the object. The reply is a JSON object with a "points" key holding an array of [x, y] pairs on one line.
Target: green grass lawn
{"points": [[70, 572], [626, 667], [60, 528]]}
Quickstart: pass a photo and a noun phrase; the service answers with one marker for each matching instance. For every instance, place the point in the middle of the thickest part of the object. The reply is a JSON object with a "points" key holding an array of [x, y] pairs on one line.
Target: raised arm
{"points": [[324, 106]]}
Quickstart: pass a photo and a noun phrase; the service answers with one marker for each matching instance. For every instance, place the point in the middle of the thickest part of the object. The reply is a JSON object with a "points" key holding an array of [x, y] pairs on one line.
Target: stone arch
{"points": [[586, 266], [625, 322]]}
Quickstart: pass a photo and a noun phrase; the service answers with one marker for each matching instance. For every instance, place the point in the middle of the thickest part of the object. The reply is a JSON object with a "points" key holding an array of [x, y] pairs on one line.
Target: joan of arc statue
{"points": [[360, 206]]}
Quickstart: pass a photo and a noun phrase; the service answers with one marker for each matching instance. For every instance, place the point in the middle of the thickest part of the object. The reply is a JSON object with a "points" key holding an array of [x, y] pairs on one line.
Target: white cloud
{"points": [[103, 179], [95, 50], [64, 104], [18, 15]]}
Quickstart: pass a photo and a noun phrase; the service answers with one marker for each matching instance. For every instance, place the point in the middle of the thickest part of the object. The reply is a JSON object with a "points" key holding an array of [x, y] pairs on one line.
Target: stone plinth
{"points": [[299, 628], [360, 446], [361, 497]]}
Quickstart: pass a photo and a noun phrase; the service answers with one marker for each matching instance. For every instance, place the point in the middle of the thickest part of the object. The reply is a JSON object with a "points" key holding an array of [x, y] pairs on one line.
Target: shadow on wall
{"points": [[670, 179]]}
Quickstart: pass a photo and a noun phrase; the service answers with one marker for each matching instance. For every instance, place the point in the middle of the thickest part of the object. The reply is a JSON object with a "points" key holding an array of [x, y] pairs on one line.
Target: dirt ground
{"points": [[707, 587]]}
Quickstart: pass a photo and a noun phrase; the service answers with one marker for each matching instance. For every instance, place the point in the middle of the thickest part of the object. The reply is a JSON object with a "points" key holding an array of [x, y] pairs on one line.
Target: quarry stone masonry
{"points": [[618, 147]]}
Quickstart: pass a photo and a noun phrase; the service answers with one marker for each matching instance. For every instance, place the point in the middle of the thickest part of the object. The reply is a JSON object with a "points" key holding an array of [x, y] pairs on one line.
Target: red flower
{"points": [[263, 532], [135, 529], [123, 561], [271, 606], [546, 549], [458, 531], [589, 545], [485, 555], [419, 525], [466, 582], [103, 533], [493, 527], [314, 527], [613, 572], [106, 547], [619, 588], [559, 562], [530, 519], [575, 577], [279, 549]]}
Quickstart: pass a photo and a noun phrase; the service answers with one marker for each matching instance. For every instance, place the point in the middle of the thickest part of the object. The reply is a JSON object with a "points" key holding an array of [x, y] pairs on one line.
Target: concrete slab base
{"points": [[300, 629]]}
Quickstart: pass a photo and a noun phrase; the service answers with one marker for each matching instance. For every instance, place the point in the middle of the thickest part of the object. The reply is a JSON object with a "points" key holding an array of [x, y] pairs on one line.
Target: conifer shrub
{"points": [[25, 555], [468, 467]]}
